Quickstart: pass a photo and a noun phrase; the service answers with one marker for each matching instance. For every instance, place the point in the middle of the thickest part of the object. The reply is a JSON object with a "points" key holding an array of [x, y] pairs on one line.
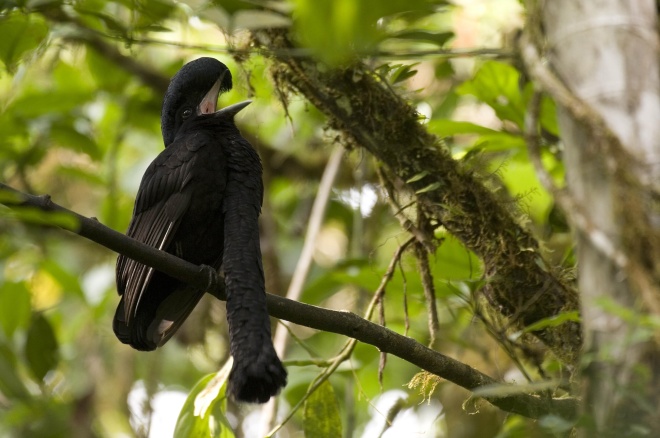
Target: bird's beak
{"points": [[209, 103], [232, 110]]}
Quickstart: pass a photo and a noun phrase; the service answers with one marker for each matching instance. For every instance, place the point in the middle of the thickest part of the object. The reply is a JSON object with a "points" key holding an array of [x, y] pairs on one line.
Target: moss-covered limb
{"points": [[370, 115]]}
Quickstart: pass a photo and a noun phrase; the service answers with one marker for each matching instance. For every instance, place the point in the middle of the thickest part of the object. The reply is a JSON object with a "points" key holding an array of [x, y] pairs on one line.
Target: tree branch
{"points": [[370, 115], [340, 322]]}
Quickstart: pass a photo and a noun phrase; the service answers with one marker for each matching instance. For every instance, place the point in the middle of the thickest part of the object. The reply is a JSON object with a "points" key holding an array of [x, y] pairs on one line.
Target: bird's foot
{"points": [[214, 284]]}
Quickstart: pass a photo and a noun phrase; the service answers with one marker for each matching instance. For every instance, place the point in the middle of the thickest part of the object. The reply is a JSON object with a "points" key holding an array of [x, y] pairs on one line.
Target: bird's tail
{"points": [[257, 373]]}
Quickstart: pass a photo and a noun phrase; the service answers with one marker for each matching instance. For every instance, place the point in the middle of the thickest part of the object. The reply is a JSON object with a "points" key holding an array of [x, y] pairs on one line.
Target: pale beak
{"points": [[209, 103]]}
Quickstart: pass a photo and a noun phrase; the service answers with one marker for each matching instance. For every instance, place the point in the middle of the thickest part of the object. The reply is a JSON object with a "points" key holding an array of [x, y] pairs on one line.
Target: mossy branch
{"points": [[344, 323], [370, 115]]}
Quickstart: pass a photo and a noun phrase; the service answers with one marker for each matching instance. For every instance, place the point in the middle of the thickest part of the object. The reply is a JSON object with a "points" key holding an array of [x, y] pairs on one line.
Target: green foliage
{"points": [[21, 34], [41, 348], [321, 417], [15, 307], [202, 413], [82, 125], [336, 31]]}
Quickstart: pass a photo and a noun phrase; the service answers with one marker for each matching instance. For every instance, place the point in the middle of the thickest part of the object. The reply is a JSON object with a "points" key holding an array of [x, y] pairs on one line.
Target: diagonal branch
{"points": [[369, 114], [344, 323]]}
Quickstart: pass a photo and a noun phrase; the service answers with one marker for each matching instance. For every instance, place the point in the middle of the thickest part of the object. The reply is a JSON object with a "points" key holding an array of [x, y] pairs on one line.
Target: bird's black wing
{"points": [[160, 205]]}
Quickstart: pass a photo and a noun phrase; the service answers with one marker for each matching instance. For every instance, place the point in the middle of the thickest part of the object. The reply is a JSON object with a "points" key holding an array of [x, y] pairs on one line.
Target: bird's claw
{"points": [[212, 276]]}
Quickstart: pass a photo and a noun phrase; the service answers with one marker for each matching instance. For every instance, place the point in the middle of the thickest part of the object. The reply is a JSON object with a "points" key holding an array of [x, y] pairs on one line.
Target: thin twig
{"points": [[348, 348], [280, 339], [429, 292], [314, 226], [300, 52], [397, 210]]}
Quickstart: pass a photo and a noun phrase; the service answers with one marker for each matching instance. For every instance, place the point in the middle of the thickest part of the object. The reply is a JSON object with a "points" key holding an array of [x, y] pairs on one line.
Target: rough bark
{"points": [[370, 115], [606, 53]]}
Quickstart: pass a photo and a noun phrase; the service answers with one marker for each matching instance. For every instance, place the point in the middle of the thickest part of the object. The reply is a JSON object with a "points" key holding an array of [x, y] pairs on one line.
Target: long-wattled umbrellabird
{"points": [[200, 200]]}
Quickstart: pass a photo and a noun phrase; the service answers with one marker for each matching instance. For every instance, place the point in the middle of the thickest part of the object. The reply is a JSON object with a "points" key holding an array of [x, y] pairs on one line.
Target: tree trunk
{"points": [[606, 52]]}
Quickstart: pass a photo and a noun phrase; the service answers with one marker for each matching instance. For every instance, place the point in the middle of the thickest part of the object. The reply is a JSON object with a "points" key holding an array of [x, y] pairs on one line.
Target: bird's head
{"points": [[194, 91]]}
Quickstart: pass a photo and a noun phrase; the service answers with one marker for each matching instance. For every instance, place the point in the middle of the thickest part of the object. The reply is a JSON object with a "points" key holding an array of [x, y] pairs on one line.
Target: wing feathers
{"points": [[161, 203]]}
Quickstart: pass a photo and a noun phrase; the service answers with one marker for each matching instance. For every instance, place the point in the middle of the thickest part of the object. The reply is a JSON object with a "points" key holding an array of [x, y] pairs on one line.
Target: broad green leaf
{"points": [[38, 103], [100, 20], [41, 348], [66, 279], [14, 307], [403, 72], [549, 116], [200, 416], [321, 418], [501, 141], [153, 12], [519, 177], [67, 137], [21, 33], [37, 216], [106, 73], [9, 197], [11, 384], [497, 84], [353, 25], [80, 173], [446, 128]]}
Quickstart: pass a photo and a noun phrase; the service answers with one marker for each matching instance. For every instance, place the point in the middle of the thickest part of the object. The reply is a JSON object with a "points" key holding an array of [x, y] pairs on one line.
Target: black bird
{"points": [[200, 200]]}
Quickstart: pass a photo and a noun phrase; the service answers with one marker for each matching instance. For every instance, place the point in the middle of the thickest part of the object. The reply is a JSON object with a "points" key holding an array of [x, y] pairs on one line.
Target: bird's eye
{"points": [[187, 113]]}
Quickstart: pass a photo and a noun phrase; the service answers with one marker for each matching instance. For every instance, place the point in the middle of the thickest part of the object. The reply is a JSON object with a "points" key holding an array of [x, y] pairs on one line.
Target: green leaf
{"points": [[446, 128], [417, 177], [497, 84], [199, 416], [233, 6], [11, 384], [352, 24], [111, 23], [15, 307], [7, 197], [20, 35], [67, 137], [429, 188], [37, 103], [321, 417], [403, 72], [69, 282], [106, 73], [80, 173], [553, 321], [549, 116], [37, 216], [41, 348]]}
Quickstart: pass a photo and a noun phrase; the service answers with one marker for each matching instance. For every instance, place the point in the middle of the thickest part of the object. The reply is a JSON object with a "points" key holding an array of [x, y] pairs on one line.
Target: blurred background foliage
{"points": [[81, 85]]}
